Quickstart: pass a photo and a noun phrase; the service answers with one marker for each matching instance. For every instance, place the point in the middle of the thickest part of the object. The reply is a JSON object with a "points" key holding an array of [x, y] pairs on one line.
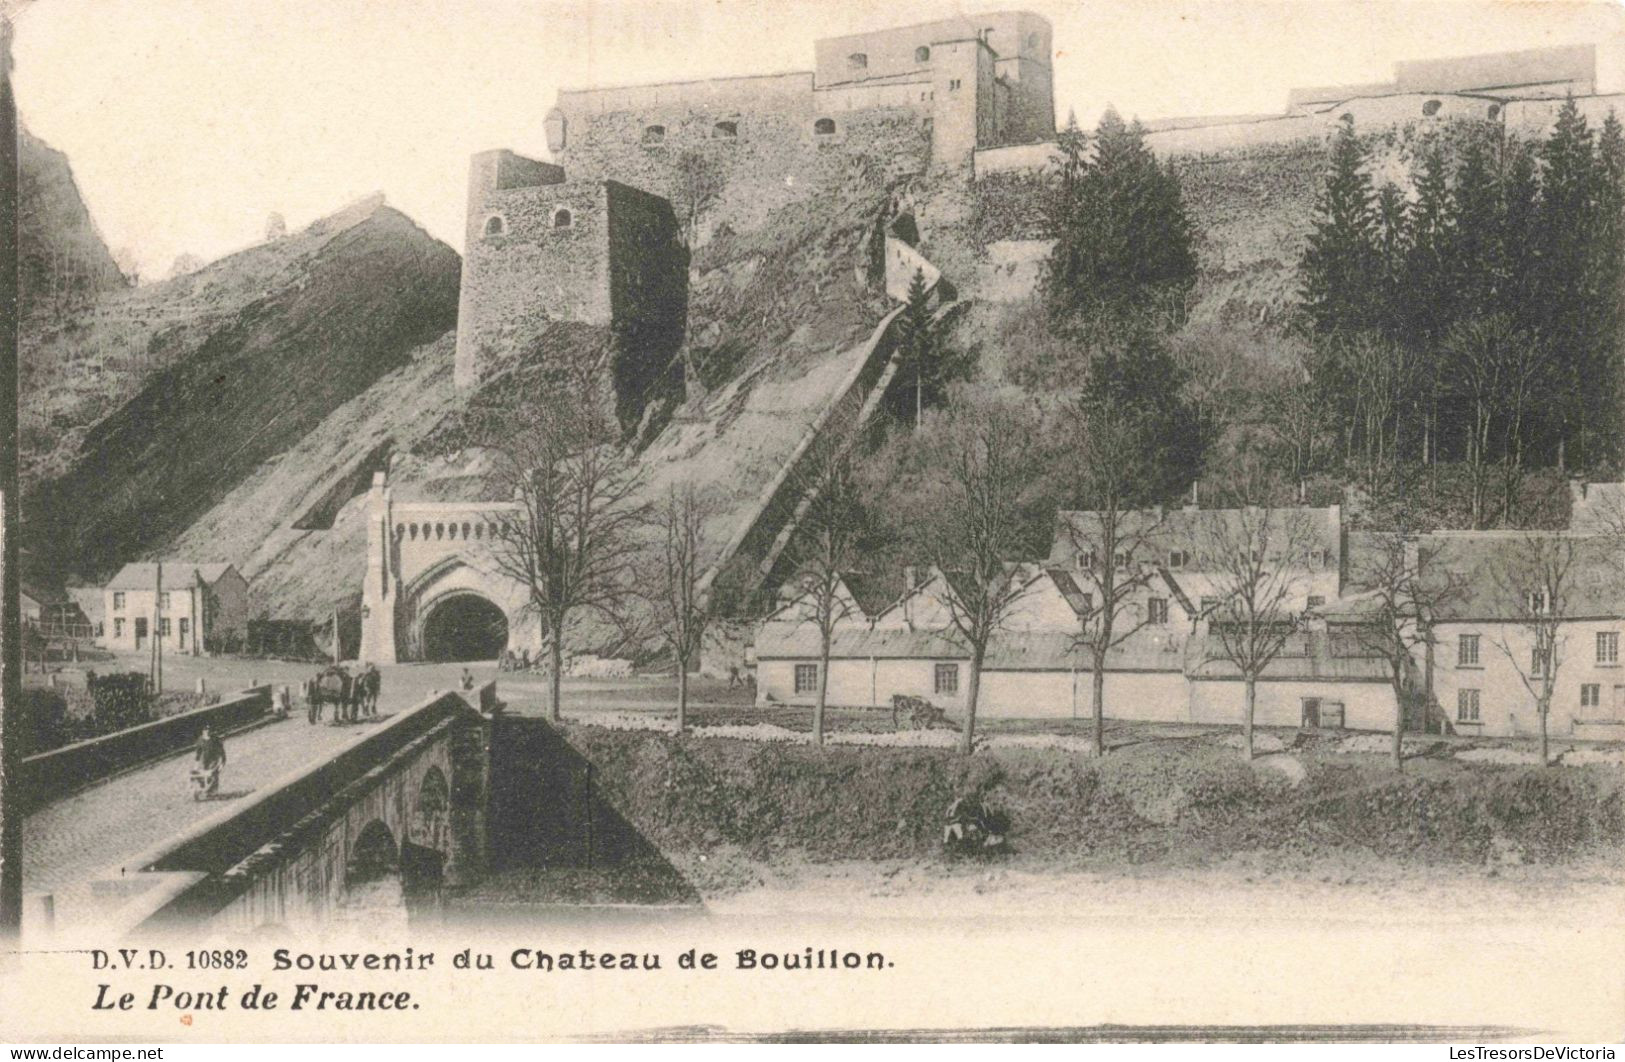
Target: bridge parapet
{"points": [[62, 772], [287, 853]]}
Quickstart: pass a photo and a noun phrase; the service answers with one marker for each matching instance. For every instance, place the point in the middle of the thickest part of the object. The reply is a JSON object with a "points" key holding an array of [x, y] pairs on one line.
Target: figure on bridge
{"points": [[210, 755], [371, 683]]}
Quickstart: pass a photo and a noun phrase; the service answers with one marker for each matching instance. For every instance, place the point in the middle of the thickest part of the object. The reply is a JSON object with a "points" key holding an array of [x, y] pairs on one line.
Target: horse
{"points": [[332, 686]]}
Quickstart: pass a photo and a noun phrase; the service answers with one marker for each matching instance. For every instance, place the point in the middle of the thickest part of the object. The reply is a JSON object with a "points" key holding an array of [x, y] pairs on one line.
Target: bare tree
{"points": [[1259, 560], [1115, 457], [1536, 580], [825, 547], [1497, 368], [574, 537], [681, 605], [1408, 592], [988, 456]]}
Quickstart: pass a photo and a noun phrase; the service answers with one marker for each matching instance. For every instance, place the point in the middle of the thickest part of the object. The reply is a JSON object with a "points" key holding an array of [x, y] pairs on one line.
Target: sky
{"points": [[188, 122]]}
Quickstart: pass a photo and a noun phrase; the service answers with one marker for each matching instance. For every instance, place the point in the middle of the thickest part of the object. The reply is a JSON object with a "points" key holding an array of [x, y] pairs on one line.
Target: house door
{"points": [[181, 633], [1311, 711], [140, 632]]}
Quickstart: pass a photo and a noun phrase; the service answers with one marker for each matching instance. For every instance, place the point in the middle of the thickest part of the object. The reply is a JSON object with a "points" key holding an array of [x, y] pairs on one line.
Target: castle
{"points": [[579, 239], [598, 235]]}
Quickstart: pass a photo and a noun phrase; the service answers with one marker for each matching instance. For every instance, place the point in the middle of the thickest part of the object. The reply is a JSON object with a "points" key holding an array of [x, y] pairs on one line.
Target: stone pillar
{"points": [[381, 587]]}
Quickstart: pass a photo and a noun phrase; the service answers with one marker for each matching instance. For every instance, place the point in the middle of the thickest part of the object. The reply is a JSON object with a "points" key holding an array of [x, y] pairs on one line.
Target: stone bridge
{"points": [[435, 588], [372, 829]]}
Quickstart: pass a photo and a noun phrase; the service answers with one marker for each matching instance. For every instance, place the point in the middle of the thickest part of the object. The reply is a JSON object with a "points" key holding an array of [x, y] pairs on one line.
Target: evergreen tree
{"points": [[925, 363], [1426, 293], [1340, 261], [1123, 238]]}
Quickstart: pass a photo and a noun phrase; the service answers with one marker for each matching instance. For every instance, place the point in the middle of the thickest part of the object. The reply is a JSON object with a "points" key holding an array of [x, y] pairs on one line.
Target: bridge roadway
{"points": [[67, 843]]}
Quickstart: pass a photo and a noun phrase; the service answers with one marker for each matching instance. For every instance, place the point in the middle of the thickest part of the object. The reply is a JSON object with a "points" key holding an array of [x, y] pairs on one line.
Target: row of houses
{"points": [[1479, 671], [188, 607]]}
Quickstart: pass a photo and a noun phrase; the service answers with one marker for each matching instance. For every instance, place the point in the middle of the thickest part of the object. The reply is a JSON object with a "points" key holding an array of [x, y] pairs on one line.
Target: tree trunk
{"points": [[555, 680], [1399, 721], [1098, 700], [682, 695], [823, 690], [1251, 700], [1545, 743], [918, 402], [967, 738]]}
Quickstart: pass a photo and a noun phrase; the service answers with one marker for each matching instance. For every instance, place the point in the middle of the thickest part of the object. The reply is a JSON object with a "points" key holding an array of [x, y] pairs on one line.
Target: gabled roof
{"points": [[1192, 531], [143, 575]]}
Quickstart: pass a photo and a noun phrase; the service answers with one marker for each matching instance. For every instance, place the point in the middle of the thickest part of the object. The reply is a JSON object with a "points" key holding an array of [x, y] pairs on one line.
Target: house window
{"points": [[185, 626], [806, 678], [1120, 560], [1466, 706], [922, 54], [163, 600], [1590, 695], [947, 678], [1156, 611], [1538, 659], [725, 131], [1467, 650], [1177, 558], [857, 61], [562, 218], [1317, 558], [1431, 107], [1539, 602], [824, 127], [163, 626], [493, 226], [1607, 647], [654, 134], [953, 85], [1086, 560], [118, 628], [1316, 600], [118, 601]]}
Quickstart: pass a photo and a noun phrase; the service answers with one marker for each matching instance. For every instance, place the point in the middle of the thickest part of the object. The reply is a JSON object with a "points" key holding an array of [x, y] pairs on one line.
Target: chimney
{"points": [[1195, 503]]}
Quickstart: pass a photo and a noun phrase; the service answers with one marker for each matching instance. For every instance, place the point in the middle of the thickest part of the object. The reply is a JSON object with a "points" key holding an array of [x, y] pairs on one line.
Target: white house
{"points": [[1486, 669], [1168, 667], [196, 605]]}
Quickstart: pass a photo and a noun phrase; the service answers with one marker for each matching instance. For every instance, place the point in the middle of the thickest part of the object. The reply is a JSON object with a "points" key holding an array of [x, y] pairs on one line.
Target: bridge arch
{"points": [[374, 857]]}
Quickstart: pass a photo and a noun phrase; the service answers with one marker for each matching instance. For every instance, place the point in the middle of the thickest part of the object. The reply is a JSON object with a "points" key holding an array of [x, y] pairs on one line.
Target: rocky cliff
{"points": [[150, 405]]}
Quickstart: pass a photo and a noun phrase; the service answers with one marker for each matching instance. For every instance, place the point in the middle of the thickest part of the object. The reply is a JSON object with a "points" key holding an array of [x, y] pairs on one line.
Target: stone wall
{"points": [[775, 156], [648, 289]]}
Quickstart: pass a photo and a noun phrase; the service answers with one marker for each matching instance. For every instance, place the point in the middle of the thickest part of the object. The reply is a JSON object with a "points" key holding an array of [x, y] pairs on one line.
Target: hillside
{"points": [[781, 316], [61, 260], [150, 405]]}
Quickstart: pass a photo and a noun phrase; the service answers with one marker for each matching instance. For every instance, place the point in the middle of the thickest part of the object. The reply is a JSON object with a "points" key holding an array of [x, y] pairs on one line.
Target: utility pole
{"points": [[158, 631], [11, 685]]}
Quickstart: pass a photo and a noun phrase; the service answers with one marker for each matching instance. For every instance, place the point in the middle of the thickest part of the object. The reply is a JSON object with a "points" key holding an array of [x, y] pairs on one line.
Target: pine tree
{"points": [[1123, 238], [917, 344], [1565, 220], [1341, 258]]}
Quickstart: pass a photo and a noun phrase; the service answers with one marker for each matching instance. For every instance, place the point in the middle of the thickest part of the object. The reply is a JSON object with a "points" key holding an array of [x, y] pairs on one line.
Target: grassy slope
{"points": [[266, 343], [1181, 803]]}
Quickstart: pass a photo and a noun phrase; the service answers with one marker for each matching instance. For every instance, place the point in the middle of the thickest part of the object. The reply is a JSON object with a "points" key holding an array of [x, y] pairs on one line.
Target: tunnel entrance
{"points": [[464, 627]]}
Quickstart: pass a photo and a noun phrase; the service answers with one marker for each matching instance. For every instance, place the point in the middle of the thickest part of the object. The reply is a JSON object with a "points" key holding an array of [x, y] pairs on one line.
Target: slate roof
{"points": [[142, 575], [1193, 531], [1034, 651]]}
